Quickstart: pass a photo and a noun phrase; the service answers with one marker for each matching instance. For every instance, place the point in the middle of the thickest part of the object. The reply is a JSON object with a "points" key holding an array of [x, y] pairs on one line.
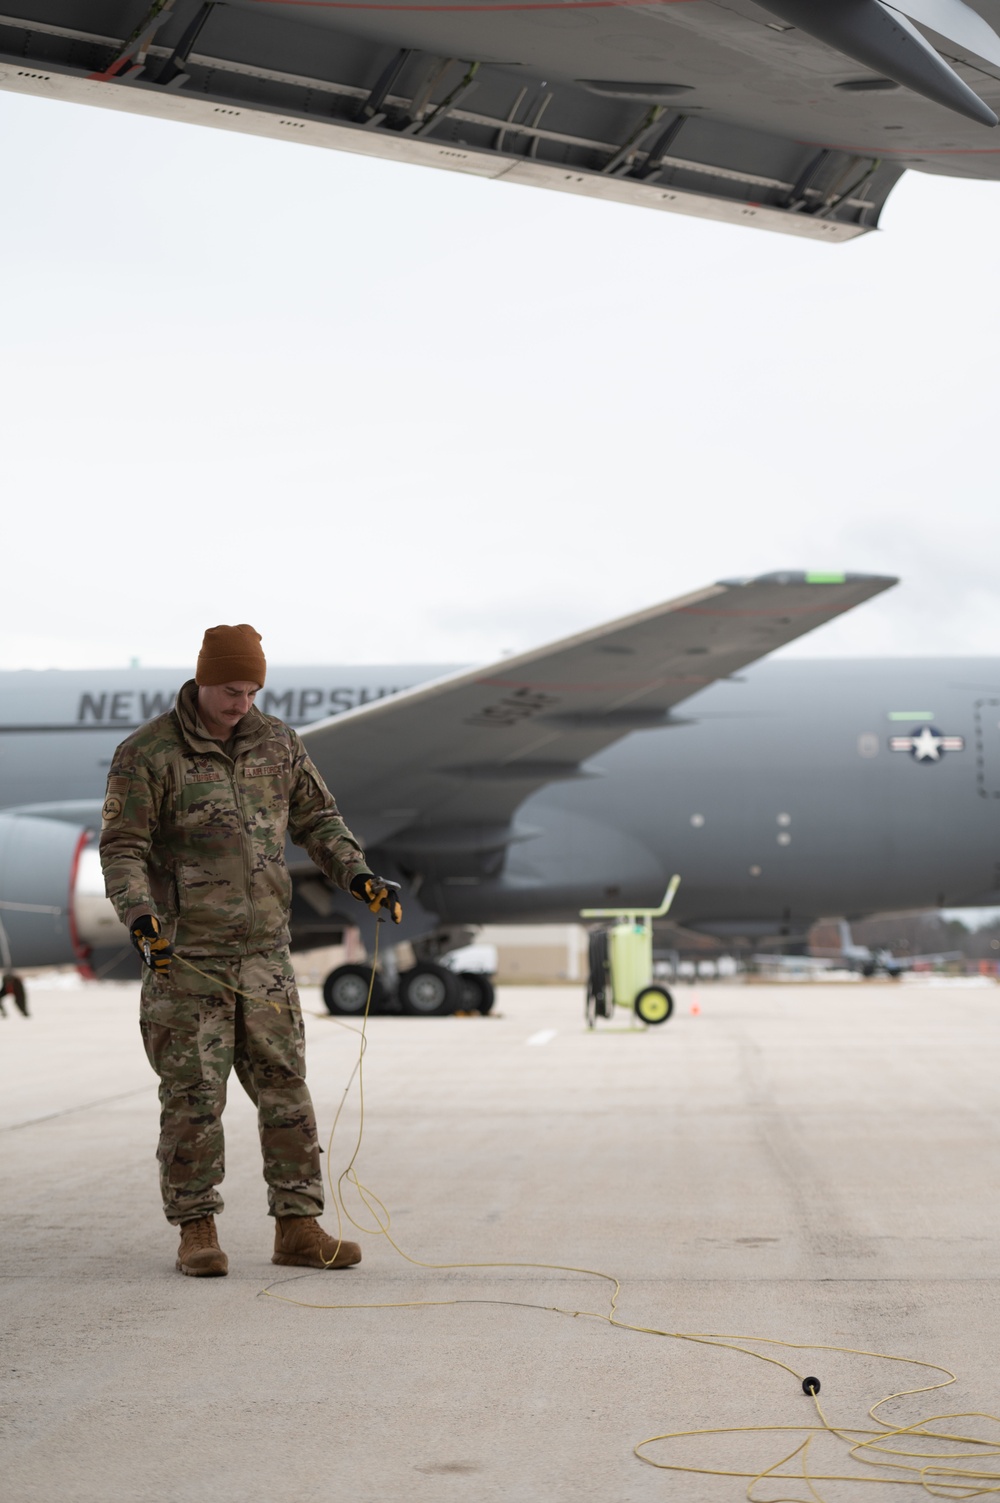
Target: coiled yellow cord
{"points": [[939, 1473]]}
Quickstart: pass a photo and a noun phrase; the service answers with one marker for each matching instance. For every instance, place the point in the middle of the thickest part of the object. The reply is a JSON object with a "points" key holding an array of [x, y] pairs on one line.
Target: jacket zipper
{"points": [[247, 854]]}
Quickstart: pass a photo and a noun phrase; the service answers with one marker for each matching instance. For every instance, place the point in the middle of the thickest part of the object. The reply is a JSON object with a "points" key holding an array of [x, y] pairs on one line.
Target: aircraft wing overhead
{"points": [[442, 767], [773, 115]]}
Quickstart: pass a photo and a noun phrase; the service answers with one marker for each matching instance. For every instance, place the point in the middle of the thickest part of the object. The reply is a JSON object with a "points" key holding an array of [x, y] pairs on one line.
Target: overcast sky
{"points": [[384, 412]]}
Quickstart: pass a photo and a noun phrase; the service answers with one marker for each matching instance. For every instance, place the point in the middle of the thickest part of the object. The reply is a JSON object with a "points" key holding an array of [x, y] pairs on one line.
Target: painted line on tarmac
{"points": [[545, 1037]]}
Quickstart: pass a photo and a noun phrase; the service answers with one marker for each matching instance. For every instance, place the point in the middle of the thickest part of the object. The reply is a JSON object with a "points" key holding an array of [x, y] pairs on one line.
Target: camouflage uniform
{"points": [[197, 836]]}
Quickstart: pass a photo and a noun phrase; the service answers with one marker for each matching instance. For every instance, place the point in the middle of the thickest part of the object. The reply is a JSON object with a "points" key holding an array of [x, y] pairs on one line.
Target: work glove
{"points": [[378, 893], [156, 951]]}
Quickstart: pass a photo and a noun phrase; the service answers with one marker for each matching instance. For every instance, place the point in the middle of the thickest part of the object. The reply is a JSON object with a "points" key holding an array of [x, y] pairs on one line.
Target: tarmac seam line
{"points": [[86, 1106]]}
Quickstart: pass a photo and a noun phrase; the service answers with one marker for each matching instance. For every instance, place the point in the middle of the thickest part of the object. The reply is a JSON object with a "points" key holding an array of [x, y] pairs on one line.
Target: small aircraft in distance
{"points": [[860, 959]]}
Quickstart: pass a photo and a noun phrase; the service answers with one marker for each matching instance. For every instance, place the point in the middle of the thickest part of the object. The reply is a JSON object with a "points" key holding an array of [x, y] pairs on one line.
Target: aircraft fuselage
{"points": [[803, 789], [807, 788]]}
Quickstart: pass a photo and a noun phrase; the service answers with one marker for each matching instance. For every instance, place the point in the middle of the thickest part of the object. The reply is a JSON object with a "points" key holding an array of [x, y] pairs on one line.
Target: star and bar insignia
{"points": [[927, 744]]}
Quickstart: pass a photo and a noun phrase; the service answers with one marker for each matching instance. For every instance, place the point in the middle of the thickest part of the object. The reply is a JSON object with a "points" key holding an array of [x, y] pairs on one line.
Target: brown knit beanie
{"points": [[231, 654]]}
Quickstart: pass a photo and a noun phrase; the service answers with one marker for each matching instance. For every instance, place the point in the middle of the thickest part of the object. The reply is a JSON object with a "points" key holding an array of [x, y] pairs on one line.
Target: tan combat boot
{"points": [[199, 1253], [302, 1242]]}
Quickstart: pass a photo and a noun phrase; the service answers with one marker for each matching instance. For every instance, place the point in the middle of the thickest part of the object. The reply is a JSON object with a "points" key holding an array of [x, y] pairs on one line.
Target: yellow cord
{"points": [[261, 1001], [939, 1473]]}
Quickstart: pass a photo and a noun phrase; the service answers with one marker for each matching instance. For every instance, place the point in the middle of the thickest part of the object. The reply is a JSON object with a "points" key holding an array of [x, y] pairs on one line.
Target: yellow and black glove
{"points": [[156, 951], [378, 893]]}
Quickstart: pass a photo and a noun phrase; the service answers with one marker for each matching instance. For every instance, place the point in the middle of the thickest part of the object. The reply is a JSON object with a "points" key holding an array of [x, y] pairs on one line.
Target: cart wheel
{"points": [[654, 1004], [599, 1003]]}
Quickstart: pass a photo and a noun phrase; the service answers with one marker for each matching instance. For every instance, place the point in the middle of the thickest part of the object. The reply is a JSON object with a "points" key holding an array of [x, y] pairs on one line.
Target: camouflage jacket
{"points": [[198, 837]]}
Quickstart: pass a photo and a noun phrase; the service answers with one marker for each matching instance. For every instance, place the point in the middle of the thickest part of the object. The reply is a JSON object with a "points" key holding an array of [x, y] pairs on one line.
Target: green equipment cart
{"points": [[621, 963]]}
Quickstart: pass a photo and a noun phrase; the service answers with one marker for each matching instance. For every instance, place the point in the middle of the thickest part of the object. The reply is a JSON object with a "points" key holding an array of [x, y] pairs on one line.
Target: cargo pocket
{"points": [[166, 1154]]}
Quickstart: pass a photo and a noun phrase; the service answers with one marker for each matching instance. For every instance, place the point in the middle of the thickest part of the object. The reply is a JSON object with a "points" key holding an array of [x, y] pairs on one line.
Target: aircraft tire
{"points": [[476, 992], [654, 1005], [345, 991], [429, 991]]}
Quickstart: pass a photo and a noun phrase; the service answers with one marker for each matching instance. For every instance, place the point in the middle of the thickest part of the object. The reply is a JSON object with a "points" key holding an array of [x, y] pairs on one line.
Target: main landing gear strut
{"points": [[428, 990]]}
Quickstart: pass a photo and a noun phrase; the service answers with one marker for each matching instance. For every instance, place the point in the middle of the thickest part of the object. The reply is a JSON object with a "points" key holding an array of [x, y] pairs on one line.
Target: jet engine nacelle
{"points": [[52, 905]]}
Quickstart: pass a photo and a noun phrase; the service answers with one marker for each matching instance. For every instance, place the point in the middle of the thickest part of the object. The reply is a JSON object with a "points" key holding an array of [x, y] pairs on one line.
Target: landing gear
{"points": [[345, 991], [475, 992], [429, 991], [13, 987]]}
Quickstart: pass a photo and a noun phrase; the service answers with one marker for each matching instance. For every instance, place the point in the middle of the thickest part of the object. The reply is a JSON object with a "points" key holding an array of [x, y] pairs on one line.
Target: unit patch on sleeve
{"points": [[114, 803]]}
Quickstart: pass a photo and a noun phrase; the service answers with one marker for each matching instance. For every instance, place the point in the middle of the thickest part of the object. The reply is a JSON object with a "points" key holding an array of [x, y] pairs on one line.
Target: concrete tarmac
{"points": [[805, 1163]]}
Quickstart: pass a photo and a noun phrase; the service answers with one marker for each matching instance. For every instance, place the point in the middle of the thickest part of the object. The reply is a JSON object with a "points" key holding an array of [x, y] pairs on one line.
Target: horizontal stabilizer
{"points": [[883, 39]]}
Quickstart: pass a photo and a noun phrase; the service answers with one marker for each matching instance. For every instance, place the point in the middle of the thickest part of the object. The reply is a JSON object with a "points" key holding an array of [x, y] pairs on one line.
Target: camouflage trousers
{"points": [[195, 1032]]}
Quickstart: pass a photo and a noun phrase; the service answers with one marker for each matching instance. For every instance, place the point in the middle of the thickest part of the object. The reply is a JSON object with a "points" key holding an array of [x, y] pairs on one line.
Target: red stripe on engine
{"points": [[80, 950]]}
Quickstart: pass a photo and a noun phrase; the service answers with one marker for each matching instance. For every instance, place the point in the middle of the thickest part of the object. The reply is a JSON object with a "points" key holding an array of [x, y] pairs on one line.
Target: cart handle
{"points": [[668, 898]]}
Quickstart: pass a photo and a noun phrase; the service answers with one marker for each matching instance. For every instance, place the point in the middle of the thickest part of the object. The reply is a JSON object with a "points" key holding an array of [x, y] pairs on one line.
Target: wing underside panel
{"points": [[717, 119]]}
